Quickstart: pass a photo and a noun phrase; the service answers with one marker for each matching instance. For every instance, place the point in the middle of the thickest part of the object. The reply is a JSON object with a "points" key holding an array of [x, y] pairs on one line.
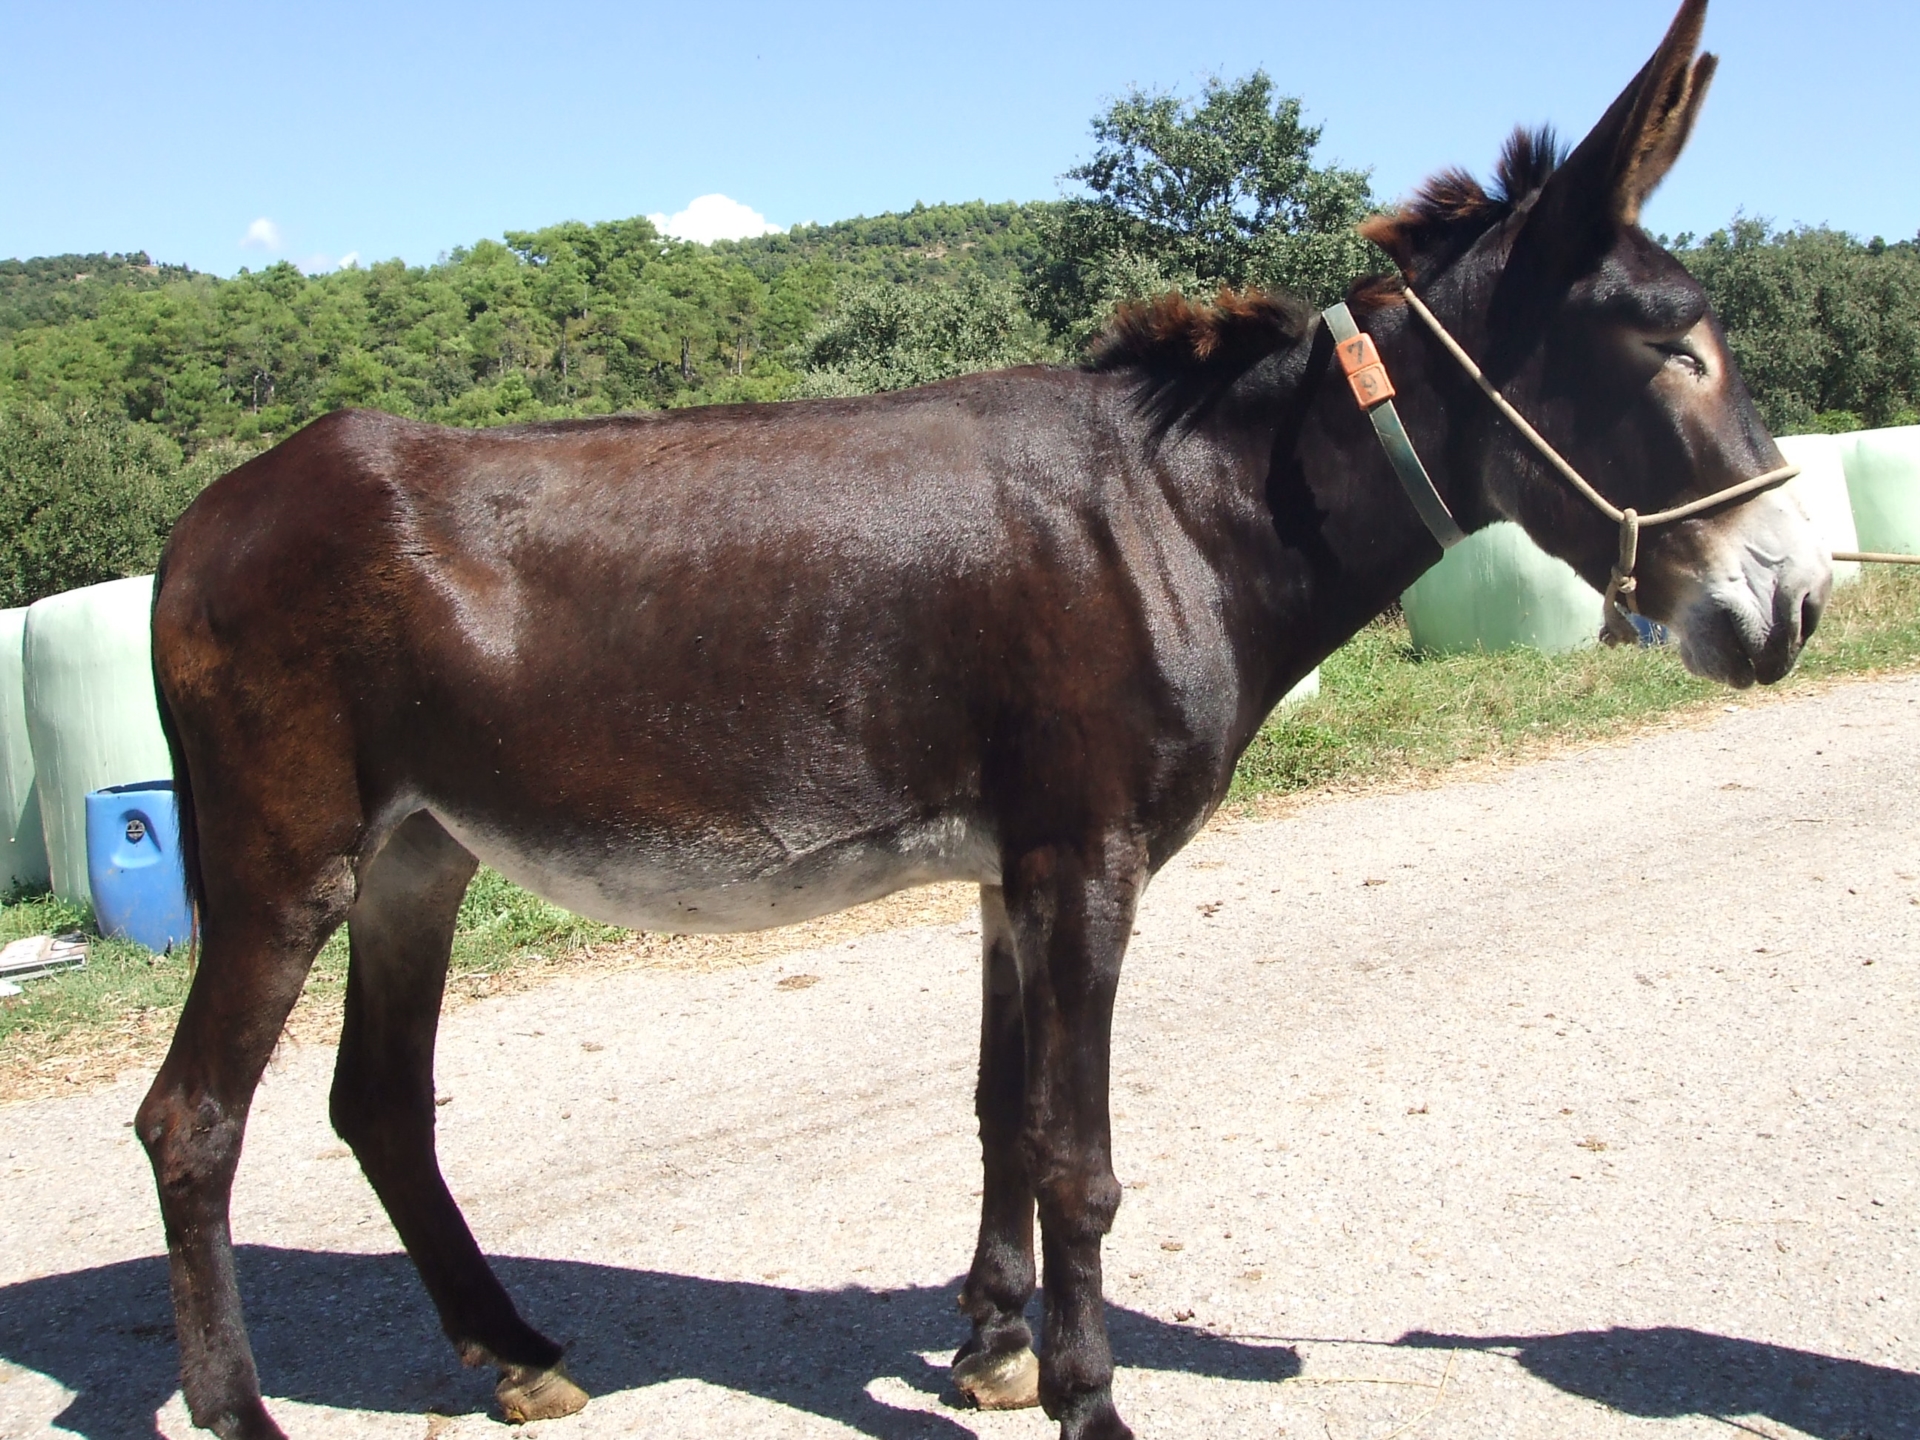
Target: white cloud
{"points": [[321, 263], [262, 234], [714, 217]]}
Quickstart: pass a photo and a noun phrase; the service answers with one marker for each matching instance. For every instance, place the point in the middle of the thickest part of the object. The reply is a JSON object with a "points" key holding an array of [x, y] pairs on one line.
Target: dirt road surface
{"points": [[1570, 1100]]}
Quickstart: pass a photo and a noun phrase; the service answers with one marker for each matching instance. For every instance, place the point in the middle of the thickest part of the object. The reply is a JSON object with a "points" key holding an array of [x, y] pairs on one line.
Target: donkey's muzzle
{"points": [[1752, 624]]}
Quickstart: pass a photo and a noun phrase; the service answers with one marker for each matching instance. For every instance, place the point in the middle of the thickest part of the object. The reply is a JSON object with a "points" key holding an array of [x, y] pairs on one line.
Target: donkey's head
{"points": [[1607, 344]]}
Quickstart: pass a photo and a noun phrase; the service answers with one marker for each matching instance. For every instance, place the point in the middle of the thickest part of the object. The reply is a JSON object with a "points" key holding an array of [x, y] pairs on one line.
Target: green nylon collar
{"points": [[1399, 447]]}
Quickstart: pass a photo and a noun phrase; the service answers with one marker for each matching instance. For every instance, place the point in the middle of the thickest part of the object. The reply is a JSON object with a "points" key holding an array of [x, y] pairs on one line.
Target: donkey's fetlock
{"points": [[1091, 1416], [527, 1392]]}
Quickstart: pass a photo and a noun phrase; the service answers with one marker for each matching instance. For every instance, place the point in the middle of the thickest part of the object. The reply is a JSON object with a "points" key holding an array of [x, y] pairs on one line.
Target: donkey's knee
{"points": [[1078, 1198], [192, 1141]]}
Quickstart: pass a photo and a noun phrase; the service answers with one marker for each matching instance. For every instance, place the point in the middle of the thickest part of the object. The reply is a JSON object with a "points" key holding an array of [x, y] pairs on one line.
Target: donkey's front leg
{"points": [[1071, 909], [996, 1368]]}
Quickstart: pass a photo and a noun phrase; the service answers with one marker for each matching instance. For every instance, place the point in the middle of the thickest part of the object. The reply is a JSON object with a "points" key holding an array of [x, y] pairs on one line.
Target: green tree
{"points": [[1221, 192], [87, 496], [889, 337], [1826, 329]]}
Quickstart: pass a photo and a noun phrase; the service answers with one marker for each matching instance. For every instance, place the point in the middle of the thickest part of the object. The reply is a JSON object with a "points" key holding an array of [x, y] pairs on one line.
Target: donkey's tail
{"points": [[182, 783]]}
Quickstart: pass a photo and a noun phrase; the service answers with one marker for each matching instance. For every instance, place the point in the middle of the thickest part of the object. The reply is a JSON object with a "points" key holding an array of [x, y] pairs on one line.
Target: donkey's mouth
{"points": [[1713, 652]]}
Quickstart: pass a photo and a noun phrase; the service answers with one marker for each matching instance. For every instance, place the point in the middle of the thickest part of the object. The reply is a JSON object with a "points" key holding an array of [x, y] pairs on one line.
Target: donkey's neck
{"points": [[1345, 538]]}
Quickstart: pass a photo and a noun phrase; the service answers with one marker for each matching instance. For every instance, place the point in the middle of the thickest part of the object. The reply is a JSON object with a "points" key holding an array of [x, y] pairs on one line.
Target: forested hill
{"points": [[55, 289], [929, 243], [567, 320]]}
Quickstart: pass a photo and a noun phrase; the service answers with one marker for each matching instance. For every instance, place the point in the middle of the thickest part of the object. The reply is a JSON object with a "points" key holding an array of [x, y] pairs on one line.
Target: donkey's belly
{"points": [[714, 887]]}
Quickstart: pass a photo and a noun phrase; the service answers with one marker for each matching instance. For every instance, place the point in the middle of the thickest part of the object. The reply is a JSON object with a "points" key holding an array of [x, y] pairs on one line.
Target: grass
{"points": [[120, 983], [1384, 711], [126, 985]]}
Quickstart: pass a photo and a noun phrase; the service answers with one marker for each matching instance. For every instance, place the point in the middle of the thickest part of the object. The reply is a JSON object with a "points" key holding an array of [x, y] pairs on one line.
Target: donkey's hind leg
{"points": [[253, 961], [400, 934], [996, 1368]]}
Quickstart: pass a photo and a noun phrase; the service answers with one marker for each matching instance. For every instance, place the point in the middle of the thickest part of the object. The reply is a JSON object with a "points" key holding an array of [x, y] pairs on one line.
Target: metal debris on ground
{"points": [[38, 956]]}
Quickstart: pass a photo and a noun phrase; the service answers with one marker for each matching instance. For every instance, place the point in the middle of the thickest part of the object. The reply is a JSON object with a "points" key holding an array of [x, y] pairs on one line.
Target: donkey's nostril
{"points": [[1810, 608]]}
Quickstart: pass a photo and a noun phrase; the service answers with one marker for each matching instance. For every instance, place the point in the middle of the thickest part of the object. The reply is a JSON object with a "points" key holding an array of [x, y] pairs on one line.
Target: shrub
{"points": [[1826, 329], [890, 337], [87, 496]]}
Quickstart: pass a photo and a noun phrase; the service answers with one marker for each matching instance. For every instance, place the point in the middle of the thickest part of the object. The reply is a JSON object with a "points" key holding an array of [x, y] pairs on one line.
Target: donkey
{"points": [[730, 668]]}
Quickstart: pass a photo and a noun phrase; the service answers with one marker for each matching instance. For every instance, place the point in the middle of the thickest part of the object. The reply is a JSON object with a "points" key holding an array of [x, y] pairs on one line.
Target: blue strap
{"points": [[1399, 447]]}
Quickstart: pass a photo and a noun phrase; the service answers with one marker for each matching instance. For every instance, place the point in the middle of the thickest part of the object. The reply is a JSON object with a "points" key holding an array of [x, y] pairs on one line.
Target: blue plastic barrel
{"points": [[133, 864]]}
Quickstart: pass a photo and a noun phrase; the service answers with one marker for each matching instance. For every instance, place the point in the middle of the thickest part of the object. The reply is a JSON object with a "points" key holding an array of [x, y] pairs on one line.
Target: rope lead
{"points": [[1620, 604]]}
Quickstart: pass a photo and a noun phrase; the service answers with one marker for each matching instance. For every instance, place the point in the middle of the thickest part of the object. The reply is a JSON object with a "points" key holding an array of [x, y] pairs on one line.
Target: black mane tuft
{"points": [[1188, 354], [1452, 210]]}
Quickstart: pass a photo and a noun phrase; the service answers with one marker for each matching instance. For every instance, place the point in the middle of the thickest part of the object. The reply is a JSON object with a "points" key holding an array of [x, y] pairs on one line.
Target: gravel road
{"points": [[1565, 1100]]}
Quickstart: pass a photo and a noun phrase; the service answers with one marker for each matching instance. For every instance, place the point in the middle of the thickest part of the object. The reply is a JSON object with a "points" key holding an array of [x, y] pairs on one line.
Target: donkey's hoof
{"points": [[1007, 1381], [526, 1394], [248, 1421]]}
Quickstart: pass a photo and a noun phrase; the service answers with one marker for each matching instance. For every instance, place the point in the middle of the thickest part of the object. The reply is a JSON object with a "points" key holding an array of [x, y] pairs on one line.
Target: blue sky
{"points": [[405, 129]]}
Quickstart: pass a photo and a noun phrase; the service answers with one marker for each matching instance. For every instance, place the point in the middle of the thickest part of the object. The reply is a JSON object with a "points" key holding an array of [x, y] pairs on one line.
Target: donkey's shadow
{"points": [[356, 1331], [1670, 1371]]}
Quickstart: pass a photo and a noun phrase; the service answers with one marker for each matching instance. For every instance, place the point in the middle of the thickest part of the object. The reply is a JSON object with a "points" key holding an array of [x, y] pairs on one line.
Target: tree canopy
{"points": [[1222, 191], [1825, 328]]}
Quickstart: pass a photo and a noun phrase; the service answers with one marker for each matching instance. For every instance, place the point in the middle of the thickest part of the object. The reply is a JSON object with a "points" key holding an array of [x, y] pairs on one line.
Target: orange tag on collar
{"points": [[1365, 373]]}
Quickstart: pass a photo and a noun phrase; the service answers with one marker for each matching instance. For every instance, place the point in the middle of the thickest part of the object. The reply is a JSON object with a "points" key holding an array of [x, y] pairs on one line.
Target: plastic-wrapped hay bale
{"points": [[23, 850], [1307, 689], [1497, 590], [1821, 489], [1883, 479], [90, 711]]}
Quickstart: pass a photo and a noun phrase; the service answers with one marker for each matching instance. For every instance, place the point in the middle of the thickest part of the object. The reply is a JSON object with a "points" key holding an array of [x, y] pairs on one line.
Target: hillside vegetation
{"points": [[573, 319], [125, 385]]}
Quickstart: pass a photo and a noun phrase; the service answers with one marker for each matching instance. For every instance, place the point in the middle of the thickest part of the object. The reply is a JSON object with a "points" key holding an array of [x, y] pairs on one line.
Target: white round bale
{"points": [[91, 714], [1821, 489], [23, 849]]}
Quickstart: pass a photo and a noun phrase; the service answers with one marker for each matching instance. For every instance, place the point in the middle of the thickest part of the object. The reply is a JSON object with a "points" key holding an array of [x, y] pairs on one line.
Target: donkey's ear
{"points": [[1612, 172]]}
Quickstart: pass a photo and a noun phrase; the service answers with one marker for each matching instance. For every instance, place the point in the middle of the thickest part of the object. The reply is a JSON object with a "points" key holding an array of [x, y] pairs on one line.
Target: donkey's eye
{"points": [[1680, 353]]}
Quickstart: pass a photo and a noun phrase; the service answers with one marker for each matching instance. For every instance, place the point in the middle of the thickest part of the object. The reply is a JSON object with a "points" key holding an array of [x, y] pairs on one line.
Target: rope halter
{"points": [[1374, 391]]}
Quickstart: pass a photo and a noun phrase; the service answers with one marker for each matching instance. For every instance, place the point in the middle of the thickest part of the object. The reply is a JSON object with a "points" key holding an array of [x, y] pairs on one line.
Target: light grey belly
{"points": [[713, 887]]}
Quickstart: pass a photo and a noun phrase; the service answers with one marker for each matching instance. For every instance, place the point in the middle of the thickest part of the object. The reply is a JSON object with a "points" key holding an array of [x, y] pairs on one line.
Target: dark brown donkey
{"points": [[730, 668]]}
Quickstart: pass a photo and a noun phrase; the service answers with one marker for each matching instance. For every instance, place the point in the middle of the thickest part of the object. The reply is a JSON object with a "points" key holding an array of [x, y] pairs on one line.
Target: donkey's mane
{"points": [[1189, 353], [1171, 331], [1452, 210]]}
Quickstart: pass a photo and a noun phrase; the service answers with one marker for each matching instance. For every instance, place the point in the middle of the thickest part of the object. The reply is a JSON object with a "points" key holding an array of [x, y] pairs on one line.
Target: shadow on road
{"points": [[356, 1331], [1669, 1372]]}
